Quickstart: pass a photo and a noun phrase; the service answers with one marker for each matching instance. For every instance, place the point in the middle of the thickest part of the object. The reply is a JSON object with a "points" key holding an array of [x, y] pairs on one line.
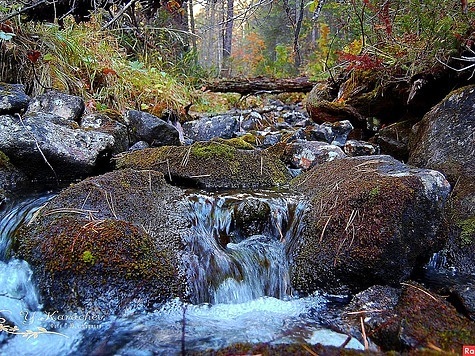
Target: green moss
{"points": [[213, 150], [468, 231], [237, 142], [88, 257], [4, 160], [374, 193]]}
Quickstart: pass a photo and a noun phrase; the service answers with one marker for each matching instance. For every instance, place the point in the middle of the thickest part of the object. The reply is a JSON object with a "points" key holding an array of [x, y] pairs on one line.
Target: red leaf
{"points": [[33, 56]]}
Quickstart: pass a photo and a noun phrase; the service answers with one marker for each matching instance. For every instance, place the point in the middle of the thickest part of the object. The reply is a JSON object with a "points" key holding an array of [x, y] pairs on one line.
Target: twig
{"points": [[363, 332], [22, 10], [168, 169], [419, 289], [324, 228], [119, 14]]}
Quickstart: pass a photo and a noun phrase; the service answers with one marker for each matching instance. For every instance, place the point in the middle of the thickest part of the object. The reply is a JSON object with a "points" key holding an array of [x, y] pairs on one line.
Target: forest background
{"points": [[155, 55]]}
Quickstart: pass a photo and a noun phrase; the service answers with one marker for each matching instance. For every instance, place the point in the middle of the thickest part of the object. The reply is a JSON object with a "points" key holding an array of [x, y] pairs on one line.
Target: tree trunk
{"points": [[228, 37], [246, 86]]}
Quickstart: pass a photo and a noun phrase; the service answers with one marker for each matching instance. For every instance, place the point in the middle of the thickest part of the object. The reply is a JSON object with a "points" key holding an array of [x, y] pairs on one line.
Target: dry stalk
{"points": [[262, 164], [201, 176], [110, 203], [186, 158], [85, 199], [168, 169], [363, 332], [419, 289], [70, 210], [366, 311], [309, 350], [324, 228]]}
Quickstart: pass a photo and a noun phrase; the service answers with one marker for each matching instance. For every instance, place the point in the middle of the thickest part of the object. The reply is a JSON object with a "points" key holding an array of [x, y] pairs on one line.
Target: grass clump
{"points": [[213, 150], [467, 233], [83, 60]]}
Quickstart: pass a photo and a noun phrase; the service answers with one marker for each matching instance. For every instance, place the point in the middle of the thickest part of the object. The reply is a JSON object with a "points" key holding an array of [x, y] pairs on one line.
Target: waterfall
{"points": [[236, 251]]}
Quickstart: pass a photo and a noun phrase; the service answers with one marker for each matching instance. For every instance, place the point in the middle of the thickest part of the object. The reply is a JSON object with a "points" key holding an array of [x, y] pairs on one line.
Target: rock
{"points": [[271, 139], [210, 165], [445, 140], [411, 319], [63, 105], [295, 117], [251, 217], [12, 98], [335, 133], [210, 127], [11, 177], [376, 305], [394, 139], [360, 148], [370, 220], [139, 146], [45, 150], [108, 243], [151, 129], [306, 154], [102, 123], [425, 320]]}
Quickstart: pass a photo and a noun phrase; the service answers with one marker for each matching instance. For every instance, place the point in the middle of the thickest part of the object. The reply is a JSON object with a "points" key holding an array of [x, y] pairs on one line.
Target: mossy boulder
{"points": [[211, 165], [107, 243], [445, 140], [370, 220], [411, 319]]}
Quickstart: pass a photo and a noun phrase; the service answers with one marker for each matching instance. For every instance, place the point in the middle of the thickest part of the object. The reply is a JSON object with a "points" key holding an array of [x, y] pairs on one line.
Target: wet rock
{"points": [[306, 154], [205, 129], [102, 123], [108, 243], [253, 121], [10, 177], [426, 319], [295, 117], [410, 319], [251, 217], [445, 140], [151, 129], [211, 165], [370, 220], [271, 139], [360, 148], [335, 133], [45, 147], [63, 105], [12, 98], [376, 306]]}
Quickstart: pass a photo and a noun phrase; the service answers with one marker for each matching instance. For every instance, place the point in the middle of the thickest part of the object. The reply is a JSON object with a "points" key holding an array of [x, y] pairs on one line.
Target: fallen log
{"points": [[256, 85]]}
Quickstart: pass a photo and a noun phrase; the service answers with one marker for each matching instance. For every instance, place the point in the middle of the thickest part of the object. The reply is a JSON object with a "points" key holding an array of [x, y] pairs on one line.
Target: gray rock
{"points": [[102, 123], [12, 98], [445, 140], [207, 128], [45, 150], [306, 154], [139, 146], [151, 129], [66, 106]]}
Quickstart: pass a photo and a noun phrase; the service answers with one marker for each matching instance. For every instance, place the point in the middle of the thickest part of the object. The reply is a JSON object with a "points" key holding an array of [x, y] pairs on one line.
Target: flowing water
{"points": [[238, 268]]}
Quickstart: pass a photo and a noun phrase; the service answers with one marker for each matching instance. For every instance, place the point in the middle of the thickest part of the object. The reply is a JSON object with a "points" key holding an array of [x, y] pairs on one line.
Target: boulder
{"points": [[46, 147], [207, 128], [445, 140], [393, 139], [151, 129], [63, 105], [370, 220], [410, 319], [108, 243], [211, 165], [303, 154], [12, 98], [10, 177], [105, 124]]}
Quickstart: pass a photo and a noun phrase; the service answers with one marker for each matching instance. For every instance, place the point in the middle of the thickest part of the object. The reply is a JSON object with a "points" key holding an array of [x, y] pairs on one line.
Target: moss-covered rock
{"points": [[445, 140], [108, 242], [211, 165], [370, 220], [412, 318]]}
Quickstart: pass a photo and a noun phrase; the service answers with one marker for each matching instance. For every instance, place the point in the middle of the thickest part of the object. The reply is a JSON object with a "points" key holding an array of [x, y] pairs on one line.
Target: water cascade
{"points": [[237, 260]]}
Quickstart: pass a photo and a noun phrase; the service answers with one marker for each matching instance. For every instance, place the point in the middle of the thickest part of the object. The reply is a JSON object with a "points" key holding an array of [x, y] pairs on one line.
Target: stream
{"points": [[239, 283]]}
